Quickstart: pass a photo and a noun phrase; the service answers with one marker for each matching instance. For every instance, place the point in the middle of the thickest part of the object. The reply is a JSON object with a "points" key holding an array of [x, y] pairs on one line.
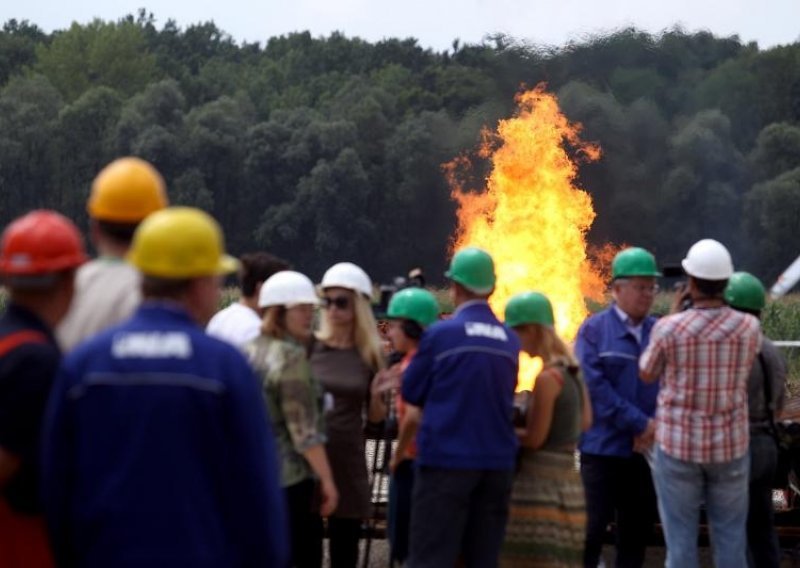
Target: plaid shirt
{"points": [[704, 358]]}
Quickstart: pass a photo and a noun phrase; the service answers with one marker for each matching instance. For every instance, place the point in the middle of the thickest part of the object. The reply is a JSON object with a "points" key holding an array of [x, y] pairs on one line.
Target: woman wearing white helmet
{"points": [[295, 402], [345, 358]]}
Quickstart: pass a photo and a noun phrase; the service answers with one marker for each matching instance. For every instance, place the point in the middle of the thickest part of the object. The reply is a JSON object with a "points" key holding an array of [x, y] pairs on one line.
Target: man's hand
{"points": [[645, 440]]}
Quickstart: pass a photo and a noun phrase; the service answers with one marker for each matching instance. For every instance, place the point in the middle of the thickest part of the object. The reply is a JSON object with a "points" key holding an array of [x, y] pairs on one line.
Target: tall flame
{"points": [[532, 218]]}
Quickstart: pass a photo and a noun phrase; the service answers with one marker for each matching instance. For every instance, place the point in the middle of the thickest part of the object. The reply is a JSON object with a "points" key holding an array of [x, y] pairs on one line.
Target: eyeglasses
{"points": [[341, 302]]}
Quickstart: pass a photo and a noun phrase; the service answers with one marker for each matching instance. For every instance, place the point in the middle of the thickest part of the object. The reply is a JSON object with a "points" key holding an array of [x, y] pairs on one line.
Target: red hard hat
{"points": [[40, 242]]}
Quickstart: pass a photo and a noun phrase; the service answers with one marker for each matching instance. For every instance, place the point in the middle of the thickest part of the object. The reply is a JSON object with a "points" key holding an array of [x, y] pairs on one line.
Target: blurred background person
{"points": [[410, 311], [157, 447], [39, 254], [766, 393], [547, 520], [295, 403], [240, 322], [702, 357], [616, 476], [346, 357], [463, 377], [107, 289]]}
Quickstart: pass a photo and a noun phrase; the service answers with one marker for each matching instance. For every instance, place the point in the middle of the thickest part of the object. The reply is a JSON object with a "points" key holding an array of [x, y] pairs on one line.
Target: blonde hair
{"points": [[365, 332], [552, 348]]}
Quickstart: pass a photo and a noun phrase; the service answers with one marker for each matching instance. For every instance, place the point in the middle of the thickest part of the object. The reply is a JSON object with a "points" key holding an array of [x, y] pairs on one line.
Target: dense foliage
{"points": [[325, 149]]}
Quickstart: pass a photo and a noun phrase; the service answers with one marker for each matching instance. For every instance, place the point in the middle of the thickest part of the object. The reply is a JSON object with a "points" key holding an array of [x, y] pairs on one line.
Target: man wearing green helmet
{"points": [[410, 312], [766, 390], [463, 377], [615, 474]]}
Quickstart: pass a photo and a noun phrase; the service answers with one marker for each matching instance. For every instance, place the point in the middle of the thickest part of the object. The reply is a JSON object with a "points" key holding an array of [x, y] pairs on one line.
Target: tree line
{"points": [[322, 149]]}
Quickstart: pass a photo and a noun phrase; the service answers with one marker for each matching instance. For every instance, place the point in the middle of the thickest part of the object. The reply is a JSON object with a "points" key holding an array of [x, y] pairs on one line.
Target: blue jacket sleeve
{"points": [[57, 470], [257, 508], [418, 376], [607, 404]]}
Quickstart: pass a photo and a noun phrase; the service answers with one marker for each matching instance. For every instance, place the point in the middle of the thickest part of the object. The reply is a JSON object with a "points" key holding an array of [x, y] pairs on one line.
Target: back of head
{"points": [[178, 244], [38, 246], [125, 192], [473, 269], [745, 292], [708, 260], [529, 307], [257, 267]]}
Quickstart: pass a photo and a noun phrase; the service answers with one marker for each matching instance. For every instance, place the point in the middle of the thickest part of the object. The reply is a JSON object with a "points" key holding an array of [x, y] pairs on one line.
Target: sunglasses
{"points": [[341, 302]]}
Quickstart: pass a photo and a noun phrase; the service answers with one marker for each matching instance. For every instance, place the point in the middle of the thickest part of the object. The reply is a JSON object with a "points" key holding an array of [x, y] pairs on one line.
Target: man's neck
{"points": [[250, 302], [703, 302]]}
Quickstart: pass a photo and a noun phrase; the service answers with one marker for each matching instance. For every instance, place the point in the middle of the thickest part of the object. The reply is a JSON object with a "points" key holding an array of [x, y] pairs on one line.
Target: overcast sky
{"points": [[436, 23]]}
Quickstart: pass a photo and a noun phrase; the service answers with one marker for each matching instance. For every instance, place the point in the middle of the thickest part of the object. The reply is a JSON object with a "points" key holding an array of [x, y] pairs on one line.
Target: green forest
{"points": [[321, 149]]}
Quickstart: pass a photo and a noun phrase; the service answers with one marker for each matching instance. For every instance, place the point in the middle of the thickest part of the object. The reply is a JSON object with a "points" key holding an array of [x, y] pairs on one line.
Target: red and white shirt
{"points": [[703, 357]]}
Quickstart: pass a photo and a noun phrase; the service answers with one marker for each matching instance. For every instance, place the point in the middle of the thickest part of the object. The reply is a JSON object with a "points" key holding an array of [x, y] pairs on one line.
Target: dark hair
{"points": [[120, 232], [710, 288], [257, 267], [164, 288]]}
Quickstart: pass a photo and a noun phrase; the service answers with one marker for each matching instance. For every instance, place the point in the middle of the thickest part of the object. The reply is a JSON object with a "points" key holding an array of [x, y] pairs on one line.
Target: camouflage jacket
{"points": [[294, 399]]}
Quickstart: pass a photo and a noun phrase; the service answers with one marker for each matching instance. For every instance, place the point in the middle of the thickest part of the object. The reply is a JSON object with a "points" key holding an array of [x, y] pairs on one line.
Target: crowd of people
{"points": [[140, 426]]}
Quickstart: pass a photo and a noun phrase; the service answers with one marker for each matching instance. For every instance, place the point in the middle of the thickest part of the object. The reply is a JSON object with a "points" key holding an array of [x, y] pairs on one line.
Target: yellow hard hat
{"points": [[180, 242], [126, 191]]}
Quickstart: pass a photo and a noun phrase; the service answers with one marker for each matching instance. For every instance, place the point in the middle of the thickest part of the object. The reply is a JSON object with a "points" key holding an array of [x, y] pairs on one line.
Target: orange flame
{"points": [[531, 217]]}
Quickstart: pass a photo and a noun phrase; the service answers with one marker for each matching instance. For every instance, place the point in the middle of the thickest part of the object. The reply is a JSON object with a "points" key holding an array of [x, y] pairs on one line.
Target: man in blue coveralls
{"points": [[157, 448], [463, 376], [615, 475]]}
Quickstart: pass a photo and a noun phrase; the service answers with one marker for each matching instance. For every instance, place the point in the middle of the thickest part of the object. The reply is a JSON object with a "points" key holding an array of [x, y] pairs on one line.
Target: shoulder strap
{"points": [[17, 338]]}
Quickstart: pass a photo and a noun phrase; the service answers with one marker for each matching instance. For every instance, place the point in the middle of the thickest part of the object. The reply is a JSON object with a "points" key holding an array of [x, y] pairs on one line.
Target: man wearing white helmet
{"points": [[703, 356]]}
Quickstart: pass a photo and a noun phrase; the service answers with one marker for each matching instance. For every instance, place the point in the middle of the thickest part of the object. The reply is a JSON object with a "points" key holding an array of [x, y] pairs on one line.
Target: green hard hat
{"points": [[632, 262], [529, 307], [745, 292], [473, 268], [414, 304]]}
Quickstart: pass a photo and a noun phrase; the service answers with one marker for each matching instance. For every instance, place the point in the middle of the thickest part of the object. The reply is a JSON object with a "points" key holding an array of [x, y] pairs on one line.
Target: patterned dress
{"points": [[547, 519]]}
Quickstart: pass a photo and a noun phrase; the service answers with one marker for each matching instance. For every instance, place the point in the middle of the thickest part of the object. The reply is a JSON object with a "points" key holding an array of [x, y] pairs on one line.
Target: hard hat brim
{"points": [[227, 265]]}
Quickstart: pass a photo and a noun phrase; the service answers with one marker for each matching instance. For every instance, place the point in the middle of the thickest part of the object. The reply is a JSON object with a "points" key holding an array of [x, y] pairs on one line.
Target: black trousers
{"points": [[762, 541], [400, 492], [621, 490], [343, 536], [458, 511], [305, 525]]}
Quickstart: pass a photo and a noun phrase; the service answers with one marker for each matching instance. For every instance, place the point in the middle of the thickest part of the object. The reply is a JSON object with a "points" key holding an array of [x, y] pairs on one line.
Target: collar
{"points": [[169, 308], [626, 326], [28, 317], [471, 304]]}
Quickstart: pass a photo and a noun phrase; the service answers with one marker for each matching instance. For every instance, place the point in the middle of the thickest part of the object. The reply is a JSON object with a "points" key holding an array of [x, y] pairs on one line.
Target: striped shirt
{"points": [[703, 357]]}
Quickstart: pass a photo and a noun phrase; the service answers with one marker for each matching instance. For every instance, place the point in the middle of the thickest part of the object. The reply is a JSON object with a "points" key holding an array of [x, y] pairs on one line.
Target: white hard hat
{"points": [[287, 288], [347, 275], [709, 260]]}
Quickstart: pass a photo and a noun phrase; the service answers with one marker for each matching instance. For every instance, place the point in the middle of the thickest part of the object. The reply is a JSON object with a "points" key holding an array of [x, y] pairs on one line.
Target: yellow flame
{"points": [[532, 218]]}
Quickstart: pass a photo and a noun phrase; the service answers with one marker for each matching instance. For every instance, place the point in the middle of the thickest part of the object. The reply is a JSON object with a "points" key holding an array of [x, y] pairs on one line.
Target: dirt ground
{"points": [[379, 557]]}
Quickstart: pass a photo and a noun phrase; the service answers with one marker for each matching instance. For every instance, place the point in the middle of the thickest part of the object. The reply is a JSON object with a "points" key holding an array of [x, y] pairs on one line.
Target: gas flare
{"points": [[532, 217]]}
